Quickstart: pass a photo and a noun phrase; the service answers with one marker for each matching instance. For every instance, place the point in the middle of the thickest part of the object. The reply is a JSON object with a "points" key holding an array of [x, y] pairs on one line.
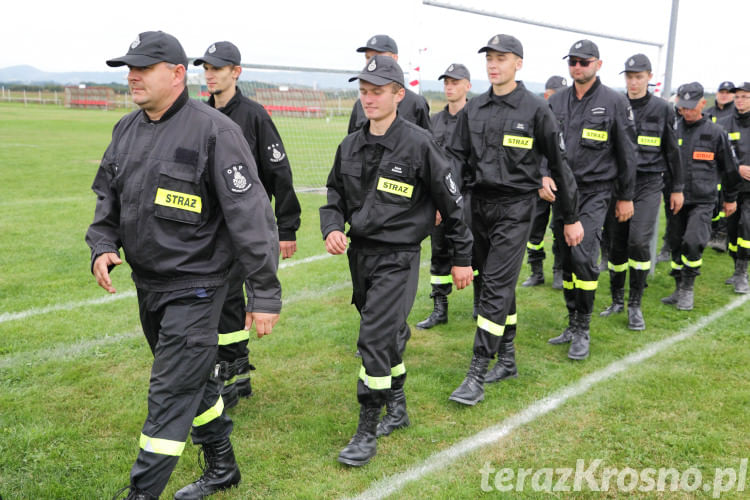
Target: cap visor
{"points": [[136, 60], [374, 79], [578, 54], [688, 104], [366, 48], [213, 61]]}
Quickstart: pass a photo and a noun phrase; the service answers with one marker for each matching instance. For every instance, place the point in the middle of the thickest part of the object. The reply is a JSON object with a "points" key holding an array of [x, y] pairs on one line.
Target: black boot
{"points": [[363, 445], [557, 281], [567, 334], [685, 293], [730, 280], [220, 472], [395, 413], [740, 282], [471, 390], [618, 303], [664, 254], [635, 316], [718, 241], [506, 364], [672, 299], [439, 314], [537, 274], [135, 494], [579, 346]]}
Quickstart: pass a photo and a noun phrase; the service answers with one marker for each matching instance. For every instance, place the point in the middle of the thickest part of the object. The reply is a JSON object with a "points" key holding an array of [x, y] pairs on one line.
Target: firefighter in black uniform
{"points": [[707, 159], [387, 180], [456, 83], [738, 225], [500, 137], [177, 189], [412, 108], [535, 245], [658, 153], [221, 63], [599, 132], [722, 108]]}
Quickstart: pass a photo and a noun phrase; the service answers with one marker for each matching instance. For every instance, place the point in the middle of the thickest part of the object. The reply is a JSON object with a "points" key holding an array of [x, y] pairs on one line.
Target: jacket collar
{"points": [[389, 140], [233, 102], [513, 99], [177, 105]]}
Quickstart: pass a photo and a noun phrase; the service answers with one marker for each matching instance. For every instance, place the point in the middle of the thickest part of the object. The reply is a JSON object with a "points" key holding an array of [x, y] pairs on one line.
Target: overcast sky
{"points": [[712, 37]]}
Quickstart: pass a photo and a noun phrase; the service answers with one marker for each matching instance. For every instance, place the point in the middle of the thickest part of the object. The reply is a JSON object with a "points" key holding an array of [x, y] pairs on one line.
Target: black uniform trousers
{"points": [[738, 228], [691, 230], [181, 330], [630, 241], [501, 227], [233, 337], [667, 194], [580, 268], [384, 284]]}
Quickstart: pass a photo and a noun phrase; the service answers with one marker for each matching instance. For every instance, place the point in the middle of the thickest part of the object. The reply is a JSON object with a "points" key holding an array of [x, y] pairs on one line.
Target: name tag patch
{"points": [[515, 141], [734, 136], [595, 135], [182, 201], [395, 187], [645, 140], [703, 155]]}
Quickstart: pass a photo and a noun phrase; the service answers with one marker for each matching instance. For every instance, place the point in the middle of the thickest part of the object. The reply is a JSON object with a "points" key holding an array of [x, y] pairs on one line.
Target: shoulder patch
{"points": [[451, 184], [235, 178], [277, 152]]}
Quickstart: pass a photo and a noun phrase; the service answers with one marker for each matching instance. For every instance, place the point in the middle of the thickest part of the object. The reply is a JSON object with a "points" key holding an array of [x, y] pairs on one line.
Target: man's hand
{"points": [[287, 248], [438, 218], [730, 208], [101, 269], [573, 233], [263, 322], [623, 210], [336, 243], [547, 191], [462, 276], [745, 172], [676, 200]]}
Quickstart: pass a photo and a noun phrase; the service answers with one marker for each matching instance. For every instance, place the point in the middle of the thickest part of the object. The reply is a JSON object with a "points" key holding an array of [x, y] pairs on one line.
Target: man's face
{"points": [[583, 71], [724, 96], [221, 79], [502, 66], [637, 82], [369, 53], [742, 101], [455, 90], [151, 87], [378, 102], [692, 115]]}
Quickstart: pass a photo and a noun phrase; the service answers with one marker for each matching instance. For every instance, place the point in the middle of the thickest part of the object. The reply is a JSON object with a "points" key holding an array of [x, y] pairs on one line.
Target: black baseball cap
{"points": [[457, 72], [555, 83], [583, 49], [504, 43], [381, 70], [220, 54], [151, 47], [380, 43], [689, 95], [637, 63], [726, 86], [745, 86]]}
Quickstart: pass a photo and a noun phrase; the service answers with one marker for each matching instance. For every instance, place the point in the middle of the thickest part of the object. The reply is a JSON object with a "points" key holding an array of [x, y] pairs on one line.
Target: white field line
{"points": [[490, 435]]}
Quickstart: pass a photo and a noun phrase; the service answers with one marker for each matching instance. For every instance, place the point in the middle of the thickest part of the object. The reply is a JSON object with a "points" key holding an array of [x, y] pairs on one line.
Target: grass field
{"points": [[74, 367]]}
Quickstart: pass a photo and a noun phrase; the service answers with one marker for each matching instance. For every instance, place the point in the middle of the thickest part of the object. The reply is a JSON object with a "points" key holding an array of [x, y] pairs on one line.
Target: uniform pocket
{"points": [[396, 183], [351, 176], [518, 140], [649, 137], [595, 133], [178, 195], [476, 132]]}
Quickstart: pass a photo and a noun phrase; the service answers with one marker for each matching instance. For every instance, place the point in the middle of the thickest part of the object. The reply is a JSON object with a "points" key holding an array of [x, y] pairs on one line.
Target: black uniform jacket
{"points": [[412, 108], [709, 160], [737, 126], [715, 113], [501, 143], [443, 124], [658, 151], [599, 137], [182, 197], [393, 203], [270, 157]]}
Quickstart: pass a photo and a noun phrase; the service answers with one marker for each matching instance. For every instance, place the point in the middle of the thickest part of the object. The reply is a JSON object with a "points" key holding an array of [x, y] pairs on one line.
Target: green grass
{"points": [[73, 383]]}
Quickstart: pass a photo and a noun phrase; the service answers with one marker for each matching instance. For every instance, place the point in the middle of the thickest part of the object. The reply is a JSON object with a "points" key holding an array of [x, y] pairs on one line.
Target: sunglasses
{"points": [[583, 62]]}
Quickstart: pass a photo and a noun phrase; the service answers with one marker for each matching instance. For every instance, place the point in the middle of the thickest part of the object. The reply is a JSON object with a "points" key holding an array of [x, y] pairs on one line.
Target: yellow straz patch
{"points": [[734, 136], [645, 140], [395, 187], [515, 141], [594, 135], [183, 201]]}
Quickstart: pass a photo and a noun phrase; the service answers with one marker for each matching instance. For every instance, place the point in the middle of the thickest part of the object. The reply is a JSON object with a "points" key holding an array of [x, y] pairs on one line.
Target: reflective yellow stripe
{"points": [[234, 337], [377, 383], [734, 136], [242, 376], [395, 187], [489, 326], [441, 280], [679, 141], [642, 266], [692, 263], [532, 246], [230, 381], [732, 247], [476, 272], [713, 119], [511, 319], [718, 187], [515, 141], [162, 446], [398, 370], [743, 243], [618, 268], [175, 199], [585, 285], [210, 414], [568, 285], [676, 266], [594, 135], [645, 140]]}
